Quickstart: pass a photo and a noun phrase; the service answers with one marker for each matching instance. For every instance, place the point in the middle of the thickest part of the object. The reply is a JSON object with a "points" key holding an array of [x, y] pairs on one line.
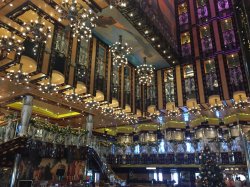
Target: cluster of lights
{"points": [[216, 107], [242, 103], [117, 3], [119, 52], [38, 32], [107, 110], [81, 20], [195, 110], [18, 77], [92, 104], [145, 73], [10, 43], [73, 97], [49, 87]]}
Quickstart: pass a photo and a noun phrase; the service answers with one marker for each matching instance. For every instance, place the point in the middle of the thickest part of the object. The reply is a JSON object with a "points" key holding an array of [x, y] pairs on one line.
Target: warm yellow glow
{"points": [[43, 111]]}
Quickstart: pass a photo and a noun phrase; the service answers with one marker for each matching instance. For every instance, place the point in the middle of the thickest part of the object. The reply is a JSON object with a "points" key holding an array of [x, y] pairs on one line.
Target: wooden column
{"points": [[73, 62], [223, 78], [200, 82], [160, 91], [179, 85], [92, 70], [109, 99]]}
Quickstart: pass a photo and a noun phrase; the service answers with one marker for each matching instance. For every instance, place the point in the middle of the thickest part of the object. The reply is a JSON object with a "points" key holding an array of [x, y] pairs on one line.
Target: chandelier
{"points": [[117, 3], [49, 87], [38, 32], [9, 44], [81, 20], [119, 52], [242, 103], [173, 113], [216, 106], [195, 110], [92, 104], [107, 110], [145, 73], [18, 77], [73, 97]]}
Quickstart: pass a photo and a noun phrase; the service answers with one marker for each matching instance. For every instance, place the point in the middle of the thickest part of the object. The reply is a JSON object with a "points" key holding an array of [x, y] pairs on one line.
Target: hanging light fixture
{"points": [[18, 77], [92, 104], [81, 20], [241, 103], [38, 32], [73, 97], [145, 73], [107, 110], [119, 52], [117, 3], [11, 43], [216, 106], [173, 113], [195, 109], [49, 87]]}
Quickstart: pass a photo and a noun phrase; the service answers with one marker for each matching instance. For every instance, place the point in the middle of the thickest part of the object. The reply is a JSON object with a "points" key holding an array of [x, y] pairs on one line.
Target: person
{"points": [[237, 182], [198, 182], [229, 182]]}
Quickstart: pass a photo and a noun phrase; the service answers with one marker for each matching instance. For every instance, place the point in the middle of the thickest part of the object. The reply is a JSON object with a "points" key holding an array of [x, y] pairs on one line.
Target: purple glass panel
{"points": [[206, 44], [229, 37], [189, 85], [183, 18], [211, 81], [202, 12], [235, 75], [223, 4], [186, 49]]}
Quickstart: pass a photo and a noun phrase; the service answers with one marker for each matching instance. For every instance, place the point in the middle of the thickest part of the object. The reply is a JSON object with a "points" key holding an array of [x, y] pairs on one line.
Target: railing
{"points": [[56, 142], [225, 158]]}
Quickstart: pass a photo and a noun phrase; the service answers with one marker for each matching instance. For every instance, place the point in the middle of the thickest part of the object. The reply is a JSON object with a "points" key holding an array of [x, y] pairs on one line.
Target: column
{"points": [[26, 114], [89, 128], [15, 171]]}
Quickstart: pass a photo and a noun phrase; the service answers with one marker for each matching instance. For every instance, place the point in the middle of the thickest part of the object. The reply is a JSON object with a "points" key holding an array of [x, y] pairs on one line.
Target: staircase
{"points": [[9, 149]]}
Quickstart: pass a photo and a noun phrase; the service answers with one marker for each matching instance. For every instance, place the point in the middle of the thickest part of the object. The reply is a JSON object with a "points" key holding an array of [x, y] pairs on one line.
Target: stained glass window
{"points": [[212, 85], [228, 33], [185, 44], [189, 81], [235, 73], [206, 40], [202, 9], [169, 85], [62, 42], [183, 15]]}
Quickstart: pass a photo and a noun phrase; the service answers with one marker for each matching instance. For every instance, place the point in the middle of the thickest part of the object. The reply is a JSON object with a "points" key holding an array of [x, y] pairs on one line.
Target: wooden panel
{"points": [[192, 11], [179, 85], [200, 82], [196, 44], [160, 91], [92, 71], [73, 62], [216, 35], [223, 77], [133, 90], [109, 99], [122, 87], [212, 8], [47, 52]]}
